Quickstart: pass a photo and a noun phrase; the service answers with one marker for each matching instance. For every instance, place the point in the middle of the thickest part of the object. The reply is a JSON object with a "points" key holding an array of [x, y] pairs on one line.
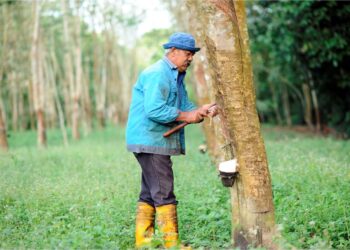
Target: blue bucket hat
{"points": [[181, 40]]}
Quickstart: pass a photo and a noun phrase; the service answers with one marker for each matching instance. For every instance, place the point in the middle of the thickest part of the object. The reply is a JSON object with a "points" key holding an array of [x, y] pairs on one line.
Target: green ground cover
{"points": [[84, 196]]}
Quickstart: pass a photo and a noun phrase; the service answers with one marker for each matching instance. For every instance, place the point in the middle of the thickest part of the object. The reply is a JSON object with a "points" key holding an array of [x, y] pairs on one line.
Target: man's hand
{"points": [[196, 116], [190, 116], [213, 111], [210, 110]]}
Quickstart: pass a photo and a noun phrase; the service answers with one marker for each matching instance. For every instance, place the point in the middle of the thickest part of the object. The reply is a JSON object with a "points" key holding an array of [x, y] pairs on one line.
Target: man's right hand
{"points": [[193, 116]]}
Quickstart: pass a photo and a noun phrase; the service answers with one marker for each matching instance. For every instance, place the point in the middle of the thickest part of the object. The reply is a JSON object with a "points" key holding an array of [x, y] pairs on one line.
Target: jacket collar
{"points": [[169, 63]]}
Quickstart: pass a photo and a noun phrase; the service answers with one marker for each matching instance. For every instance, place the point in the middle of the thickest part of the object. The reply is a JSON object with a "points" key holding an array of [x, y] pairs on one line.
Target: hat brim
{"points": [[180, 46]]}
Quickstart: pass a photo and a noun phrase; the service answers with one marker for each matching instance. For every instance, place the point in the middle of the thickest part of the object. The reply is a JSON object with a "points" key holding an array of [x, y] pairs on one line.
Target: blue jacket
{"points": [[158, 96]]}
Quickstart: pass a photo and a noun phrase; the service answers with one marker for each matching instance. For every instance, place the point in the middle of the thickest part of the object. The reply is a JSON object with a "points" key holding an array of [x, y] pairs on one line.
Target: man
{"points": [[160, 102]]}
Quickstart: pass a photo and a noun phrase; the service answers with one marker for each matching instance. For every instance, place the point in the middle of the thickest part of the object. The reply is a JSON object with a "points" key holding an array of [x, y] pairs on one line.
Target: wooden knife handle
{"points": [[180, 126], [173, 130]]}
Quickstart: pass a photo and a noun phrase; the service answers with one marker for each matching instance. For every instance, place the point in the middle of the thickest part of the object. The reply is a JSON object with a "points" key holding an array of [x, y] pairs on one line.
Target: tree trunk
{"points": [[78, 78], [315, 103], [37, 78], [31, 108], [68, 86], [21, 111], [307, 112], [317, 110], [51, 73], [3, 135], [52, 116], [202, 91], [275, 103], [86, 101], [227, 44], [14, 99], [75, 119], [286, 106], [101, 93], [204, 83], [114, 91], [124, 67]]}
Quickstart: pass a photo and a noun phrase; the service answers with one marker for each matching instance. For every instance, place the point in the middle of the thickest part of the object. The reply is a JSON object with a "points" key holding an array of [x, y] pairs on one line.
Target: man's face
{"points": [[182, 59]]}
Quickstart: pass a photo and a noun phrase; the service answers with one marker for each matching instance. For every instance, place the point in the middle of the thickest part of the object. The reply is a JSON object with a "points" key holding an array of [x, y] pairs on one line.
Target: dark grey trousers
{"points": [[157, 182]]}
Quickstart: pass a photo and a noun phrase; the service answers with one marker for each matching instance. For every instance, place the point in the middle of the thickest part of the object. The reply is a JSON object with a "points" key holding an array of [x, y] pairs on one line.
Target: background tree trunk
{"points": [[315, 102], [51, 73], [286, 105], [37, 77], [21, 110], [275, 103], [68, 65], [204, 81], [227, 44], [3, 135], [100, 81], [308, 110], [31, 105], [78, 76], [14, 100], [317, 110], [86, 102]]}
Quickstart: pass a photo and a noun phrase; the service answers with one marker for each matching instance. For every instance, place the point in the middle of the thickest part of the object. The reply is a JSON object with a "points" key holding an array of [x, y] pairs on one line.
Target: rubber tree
{"points": [[3, 135], [77, 87], [73, 70], [37, 77], [224, 32]]}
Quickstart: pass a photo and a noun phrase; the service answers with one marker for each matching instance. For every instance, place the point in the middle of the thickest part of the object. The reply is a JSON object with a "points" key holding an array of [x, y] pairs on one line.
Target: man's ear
{"points": [[171, 51]]}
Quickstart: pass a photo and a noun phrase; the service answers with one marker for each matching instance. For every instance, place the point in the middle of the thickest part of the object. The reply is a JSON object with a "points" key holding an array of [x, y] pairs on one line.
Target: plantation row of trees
{"points": [[64, 64], [71, 64]]}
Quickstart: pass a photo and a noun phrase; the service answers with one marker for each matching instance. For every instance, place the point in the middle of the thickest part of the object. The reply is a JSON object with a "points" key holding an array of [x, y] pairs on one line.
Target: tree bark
{"points": [[52, 116], [227, 43], [101, 93], [21, 111], [315, 103], [31, 105], [317, 110], [68, 88], [125, 69], [78, 77], [3, 136], [86, 101], [275, 103], [308, 109], [286, 106], [14, 99], [51, 72], [37, 78], [204, 82]]}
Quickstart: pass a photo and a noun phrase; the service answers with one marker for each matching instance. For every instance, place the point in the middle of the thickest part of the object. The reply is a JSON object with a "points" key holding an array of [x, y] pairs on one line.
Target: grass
{"points": [[311, 185], [84, 196]]}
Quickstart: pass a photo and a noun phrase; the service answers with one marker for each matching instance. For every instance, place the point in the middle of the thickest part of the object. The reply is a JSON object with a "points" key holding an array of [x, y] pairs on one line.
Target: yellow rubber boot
{"points": [[167, 223], [144, 224]]}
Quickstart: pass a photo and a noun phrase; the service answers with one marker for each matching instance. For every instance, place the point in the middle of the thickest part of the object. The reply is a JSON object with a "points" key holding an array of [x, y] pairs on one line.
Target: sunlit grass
{"points": [[84, 196]]}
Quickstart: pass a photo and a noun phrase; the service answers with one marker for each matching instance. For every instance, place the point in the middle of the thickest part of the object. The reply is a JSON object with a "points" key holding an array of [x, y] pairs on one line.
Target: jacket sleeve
{"points": [[156, 93], [187, 104]]}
